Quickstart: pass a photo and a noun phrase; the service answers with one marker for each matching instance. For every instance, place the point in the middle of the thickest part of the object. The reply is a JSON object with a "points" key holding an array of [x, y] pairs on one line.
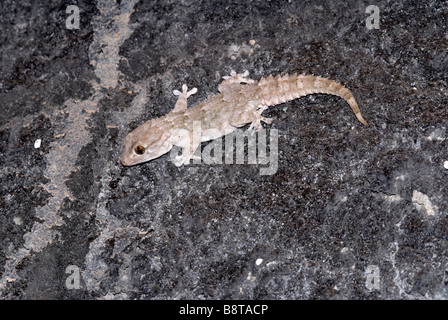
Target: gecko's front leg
{"points": [[181, 137], [181, 103], [189, 143]]}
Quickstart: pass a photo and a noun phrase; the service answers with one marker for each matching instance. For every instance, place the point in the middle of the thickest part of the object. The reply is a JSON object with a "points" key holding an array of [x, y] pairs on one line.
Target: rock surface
{"points": [[352, 212]]}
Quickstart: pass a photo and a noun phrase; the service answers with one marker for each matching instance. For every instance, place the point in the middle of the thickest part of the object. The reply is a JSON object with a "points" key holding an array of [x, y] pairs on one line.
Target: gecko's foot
{"points": [[181, 103], [184, 159], [238, 77], [178, 161], [194, 157], [256, 124], [185, 91], [234, 79]]}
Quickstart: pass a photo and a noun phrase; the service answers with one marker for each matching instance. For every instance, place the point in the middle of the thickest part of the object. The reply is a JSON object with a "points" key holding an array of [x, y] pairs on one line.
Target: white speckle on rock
{"points": [[445, 164], [437, 135], [392, 198], [258, 261], [37, 143], [17, 220], [250, 277], [423, 204], [344, 250]]}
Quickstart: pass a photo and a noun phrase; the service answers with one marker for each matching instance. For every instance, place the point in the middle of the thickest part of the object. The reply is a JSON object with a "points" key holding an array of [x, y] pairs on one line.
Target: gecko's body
{"points": [[240, 101]]}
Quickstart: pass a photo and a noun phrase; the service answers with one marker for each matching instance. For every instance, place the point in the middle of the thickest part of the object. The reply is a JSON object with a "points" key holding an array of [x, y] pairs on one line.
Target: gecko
{"points": [[240, 101]]}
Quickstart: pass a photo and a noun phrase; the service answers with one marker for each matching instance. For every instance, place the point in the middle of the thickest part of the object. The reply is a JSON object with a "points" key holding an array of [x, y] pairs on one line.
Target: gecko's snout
{"points": [[123, 161]]}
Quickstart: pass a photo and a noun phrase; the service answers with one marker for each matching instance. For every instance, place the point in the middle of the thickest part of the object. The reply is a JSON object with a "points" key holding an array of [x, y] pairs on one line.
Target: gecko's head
{"points": [[144, 144]]}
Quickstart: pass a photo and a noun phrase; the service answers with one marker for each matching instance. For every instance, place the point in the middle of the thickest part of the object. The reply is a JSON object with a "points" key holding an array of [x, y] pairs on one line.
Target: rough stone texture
{"points": [[345, 197]]}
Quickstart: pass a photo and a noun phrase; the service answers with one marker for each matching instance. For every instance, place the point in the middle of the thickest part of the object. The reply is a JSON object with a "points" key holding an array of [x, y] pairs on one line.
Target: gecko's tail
{"points": [[279, 89]]}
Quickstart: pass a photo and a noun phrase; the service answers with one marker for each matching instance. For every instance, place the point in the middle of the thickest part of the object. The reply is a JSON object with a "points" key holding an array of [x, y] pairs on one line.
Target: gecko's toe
{"points": [[267, 120], [192, 91], [185, 91]]}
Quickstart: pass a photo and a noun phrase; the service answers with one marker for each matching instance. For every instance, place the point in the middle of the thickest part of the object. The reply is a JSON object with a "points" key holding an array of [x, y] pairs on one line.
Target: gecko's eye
{"points": [[139, 150]]}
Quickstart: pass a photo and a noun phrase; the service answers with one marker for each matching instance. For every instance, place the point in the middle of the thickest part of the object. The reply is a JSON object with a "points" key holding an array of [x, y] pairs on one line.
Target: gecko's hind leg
{"points": [[256, 123], [238, 77], [250, 115], [234, 78]]}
